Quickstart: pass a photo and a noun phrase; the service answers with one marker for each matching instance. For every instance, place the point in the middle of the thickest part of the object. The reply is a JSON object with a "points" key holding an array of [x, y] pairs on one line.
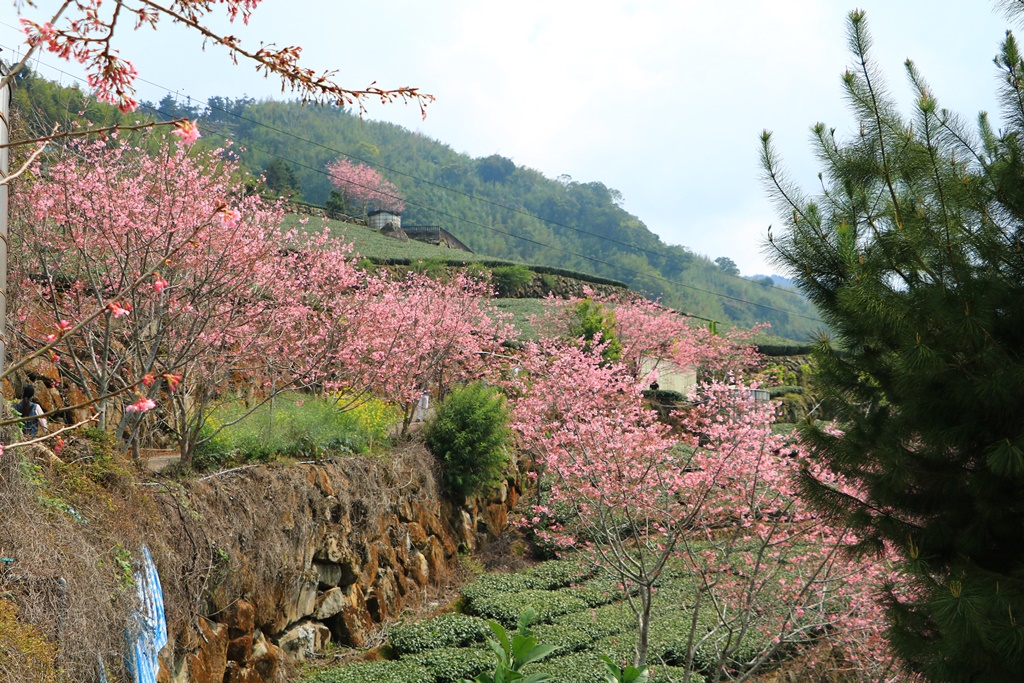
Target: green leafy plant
{"points": [[470, 434], [592, 322], [509, 280], [514, 653], [627, 674]]}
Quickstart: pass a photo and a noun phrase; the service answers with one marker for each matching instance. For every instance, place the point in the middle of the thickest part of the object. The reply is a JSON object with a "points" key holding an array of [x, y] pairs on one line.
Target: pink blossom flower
{"points": [[187, 132], [148, 380], [140, 406], [228, 217], [172, 380], [159, 284], [119, 311]]}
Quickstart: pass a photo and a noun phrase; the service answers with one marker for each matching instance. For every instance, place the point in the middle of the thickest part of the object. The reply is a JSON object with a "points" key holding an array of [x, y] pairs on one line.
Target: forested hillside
{"points": [[497, 208]]}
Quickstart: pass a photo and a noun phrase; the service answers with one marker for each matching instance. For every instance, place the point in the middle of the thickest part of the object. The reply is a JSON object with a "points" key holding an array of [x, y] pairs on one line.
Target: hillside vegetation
{"points": [[500, 210], [506, 211]]}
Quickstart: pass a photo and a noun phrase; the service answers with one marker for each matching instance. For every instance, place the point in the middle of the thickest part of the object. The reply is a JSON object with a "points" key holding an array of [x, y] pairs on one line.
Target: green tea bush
{"points": [[579, 630], [446, 630], [579, 667], [545, 576], [506, 607], [452, 664], [397, 671], [470, 435], [509, 280]]}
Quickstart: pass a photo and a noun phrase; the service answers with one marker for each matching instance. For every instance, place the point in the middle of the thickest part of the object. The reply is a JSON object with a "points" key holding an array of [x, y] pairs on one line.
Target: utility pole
{"points": [[5, 156]]}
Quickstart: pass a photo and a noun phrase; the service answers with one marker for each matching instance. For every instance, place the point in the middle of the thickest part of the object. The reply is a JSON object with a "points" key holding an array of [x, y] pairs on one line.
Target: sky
{"points": [[662, 100]]}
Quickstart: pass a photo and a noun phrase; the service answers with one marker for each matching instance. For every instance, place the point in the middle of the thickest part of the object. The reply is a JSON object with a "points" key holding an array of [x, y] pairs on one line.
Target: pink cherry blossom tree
{"points": [[209, 309], [403, 338], [87, 31], [362, 188], [713, 498]]}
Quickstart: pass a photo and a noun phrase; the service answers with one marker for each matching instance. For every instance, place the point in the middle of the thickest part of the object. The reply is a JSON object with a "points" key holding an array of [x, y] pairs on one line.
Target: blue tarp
{"points": [[148, 632]]}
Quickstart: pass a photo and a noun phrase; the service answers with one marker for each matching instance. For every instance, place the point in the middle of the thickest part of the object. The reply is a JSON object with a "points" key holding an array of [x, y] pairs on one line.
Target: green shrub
{"points": [[470, 434], [545, 576], [446, 630], [397, 671], [432, 268], [506, 607], [579, 667], [665, 396], [509, 280], [591, 320], [452, 664], [780, 391]]}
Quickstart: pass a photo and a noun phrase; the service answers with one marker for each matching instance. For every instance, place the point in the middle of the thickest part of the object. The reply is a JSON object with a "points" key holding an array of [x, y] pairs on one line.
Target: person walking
{"points": [[28, 407]]}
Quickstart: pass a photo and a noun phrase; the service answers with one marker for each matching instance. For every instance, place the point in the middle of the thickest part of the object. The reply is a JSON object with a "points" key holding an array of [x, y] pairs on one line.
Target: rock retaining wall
{"points": [[318, 554]]}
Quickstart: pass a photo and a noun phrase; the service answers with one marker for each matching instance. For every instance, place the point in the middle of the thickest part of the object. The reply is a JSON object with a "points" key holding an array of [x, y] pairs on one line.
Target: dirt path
{"points": [[157, 460]]}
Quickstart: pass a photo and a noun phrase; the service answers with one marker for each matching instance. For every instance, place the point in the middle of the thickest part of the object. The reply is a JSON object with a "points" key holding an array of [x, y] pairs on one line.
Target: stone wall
{"points": [[318, 554]]}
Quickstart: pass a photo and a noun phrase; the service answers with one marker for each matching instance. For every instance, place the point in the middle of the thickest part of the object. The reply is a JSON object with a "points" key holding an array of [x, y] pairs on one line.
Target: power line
{"points": [[445, 214]]}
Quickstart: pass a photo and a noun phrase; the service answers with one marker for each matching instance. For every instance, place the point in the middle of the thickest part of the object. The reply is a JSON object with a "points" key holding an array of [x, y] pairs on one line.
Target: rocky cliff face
{"points": [[320, 553]]}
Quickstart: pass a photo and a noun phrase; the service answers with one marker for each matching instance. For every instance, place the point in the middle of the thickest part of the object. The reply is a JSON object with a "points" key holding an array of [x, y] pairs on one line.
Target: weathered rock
{"points": [[240, 618], [496, 518], [206, 663], [349, 626], [269, 660], [437, 565], [335, 549], [351, 565], [385, 554], [41, 368], [49, 398], [465, 531], [513, 497], [330, 603], [330, 574], [240, 649], [304, 639], [417, 535], [371, 564], [236, 673], [296, 603], [418, 569]]}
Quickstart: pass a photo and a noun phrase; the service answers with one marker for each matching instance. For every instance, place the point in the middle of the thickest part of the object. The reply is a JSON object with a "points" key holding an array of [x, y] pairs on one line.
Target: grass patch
{"points": [[373, 245], [293, 425]]}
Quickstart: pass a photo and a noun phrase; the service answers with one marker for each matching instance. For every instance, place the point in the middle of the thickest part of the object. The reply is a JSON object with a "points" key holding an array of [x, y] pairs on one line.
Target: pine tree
{"points": [[913, 254]]}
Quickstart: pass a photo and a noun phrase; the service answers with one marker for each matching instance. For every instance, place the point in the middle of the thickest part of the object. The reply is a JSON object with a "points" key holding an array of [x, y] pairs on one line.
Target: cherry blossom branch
{"points": [[312, 87], [95, 131], [46, 437], [72, 329]]}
